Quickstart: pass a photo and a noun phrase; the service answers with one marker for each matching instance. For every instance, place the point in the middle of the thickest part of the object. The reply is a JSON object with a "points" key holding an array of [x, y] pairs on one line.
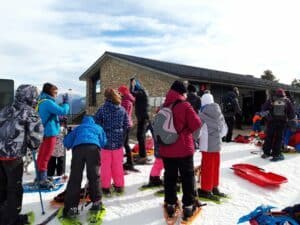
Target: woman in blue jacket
{"points": [[49, 111], [86, 140]]}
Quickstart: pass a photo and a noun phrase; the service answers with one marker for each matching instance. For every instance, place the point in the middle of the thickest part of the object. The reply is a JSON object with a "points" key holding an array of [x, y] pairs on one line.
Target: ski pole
{"points": [[38, 180]]}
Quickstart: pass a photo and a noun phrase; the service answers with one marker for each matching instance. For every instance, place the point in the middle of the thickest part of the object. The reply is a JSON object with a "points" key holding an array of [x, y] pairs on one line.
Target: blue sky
{"points": [[57, 40]]}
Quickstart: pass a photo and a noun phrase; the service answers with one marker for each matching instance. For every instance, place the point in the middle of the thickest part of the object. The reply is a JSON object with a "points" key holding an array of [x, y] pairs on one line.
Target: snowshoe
{"points": [[67, 220], [208, 196], [171, 213], [96, 217]]}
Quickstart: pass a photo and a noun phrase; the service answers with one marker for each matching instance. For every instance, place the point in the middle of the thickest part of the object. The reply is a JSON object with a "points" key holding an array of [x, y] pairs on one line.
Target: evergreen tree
{"points": [[268, 75], [296, 83]]}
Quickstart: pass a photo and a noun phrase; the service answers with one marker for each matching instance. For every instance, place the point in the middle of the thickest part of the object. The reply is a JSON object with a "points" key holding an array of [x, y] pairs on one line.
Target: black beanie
{"points": [[179, 87]]}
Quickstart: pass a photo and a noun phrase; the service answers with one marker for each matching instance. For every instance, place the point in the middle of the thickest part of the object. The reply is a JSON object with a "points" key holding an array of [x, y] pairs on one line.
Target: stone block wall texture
{"points": [[115, 72]]}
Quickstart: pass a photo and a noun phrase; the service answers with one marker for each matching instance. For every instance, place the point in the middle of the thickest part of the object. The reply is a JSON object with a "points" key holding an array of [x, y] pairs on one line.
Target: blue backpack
{"points": [[263, 216]]}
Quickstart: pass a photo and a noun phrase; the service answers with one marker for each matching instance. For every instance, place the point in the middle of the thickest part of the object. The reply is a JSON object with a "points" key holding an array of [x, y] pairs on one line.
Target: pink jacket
{"points": [[186, 121], [127, 102]]}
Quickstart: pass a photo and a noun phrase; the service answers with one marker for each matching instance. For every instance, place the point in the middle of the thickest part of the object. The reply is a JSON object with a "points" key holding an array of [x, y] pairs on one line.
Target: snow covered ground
{"points": [[142, 207]]}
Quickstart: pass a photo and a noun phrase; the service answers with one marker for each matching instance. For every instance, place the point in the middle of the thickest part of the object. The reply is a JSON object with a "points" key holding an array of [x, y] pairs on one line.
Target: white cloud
{"points": [[56, 41]]}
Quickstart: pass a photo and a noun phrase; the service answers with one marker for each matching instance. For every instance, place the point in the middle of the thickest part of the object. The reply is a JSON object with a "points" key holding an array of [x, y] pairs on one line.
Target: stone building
{"points": [[114, 69]]}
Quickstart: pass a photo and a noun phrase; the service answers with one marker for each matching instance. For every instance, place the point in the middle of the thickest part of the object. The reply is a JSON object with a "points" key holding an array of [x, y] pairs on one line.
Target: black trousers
{"points": [[82, 155], [273, 141], [230, 120], [127, 147], [141, 135], [56, 164], [185, 167], [11, 190]]}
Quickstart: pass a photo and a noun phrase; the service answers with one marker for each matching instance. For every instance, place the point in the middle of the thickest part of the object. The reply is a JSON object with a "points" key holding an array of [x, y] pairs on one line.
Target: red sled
{"points": [[257, 175]]}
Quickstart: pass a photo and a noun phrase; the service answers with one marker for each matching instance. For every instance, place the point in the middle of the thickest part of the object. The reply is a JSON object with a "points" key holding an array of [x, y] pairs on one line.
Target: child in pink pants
{"points": [[114, 120]]}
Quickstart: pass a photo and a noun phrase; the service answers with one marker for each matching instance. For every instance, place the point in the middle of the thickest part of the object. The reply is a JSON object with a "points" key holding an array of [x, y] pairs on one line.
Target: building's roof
{"points": [[192, 73]]}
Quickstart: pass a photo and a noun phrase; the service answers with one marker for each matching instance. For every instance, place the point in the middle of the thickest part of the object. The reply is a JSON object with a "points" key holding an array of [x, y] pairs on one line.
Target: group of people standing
{"points": [[32, 121]]}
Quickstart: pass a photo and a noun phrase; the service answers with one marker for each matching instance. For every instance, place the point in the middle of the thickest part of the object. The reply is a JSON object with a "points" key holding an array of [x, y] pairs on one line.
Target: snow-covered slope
{"points": [[142, 207]]}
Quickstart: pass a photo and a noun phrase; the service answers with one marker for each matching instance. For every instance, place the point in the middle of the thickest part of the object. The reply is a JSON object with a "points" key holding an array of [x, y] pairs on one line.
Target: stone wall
{"points": [[115, 72]]}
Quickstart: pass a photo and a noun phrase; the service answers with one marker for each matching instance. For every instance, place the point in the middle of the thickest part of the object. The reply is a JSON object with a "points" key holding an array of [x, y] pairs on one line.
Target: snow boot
{"points": [[70, 213], [217, 192], [264, 156], [277, 158], [155, 181], [97, 206], [43, 180], [171, 209], [207, 195], [119, 190], [107, 192]]}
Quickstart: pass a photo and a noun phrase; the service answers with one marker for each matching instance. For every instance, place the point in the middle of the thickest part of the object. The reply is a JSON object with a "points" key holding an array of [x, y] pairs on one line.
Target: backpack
{"points": [[163, 125], [279, 109], [228, 105]]}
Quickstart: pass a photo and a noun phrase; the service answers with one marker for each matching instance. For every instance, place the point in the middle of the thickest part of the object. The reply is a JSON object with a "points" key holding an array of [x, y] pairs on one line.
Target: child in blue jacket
{"points": [[86, 140]]}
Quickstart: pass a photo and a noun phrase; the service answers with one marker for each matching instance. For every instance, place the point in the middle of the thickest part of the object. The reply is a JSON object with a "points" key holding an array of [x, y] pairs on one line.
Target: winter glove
{"points": [[65, 98]]}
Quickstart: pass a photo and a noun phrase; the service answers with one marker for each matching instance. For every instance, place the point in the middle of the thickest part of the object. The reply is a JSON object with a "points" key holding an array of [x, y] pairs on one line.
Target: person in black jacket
{"points": [[280, 111], [142, 115], [231, 107], [193, 98]]}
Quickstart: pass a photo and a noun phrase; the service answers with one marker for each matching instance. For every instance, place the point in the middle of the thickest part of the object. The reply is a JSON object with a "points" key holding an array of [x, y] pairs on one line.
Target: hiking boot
{"points": [[207, 195], [188, 211], [142, 160], [46, 184], [119, 190], [70, 213], [130, 167], [107, 192], [217, 192], [155, 181], [171, 209], [264, 156], [277, 158], [97, 206]]}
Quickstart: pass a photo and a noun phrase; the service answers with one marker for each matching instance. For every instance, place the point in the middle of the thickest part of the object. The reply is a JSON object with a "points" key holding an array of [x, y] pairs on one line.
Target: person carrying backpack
{"points": [[230, 107], [178, 157], [281, 110], [20, 128], [49, 111], [193, 98]]}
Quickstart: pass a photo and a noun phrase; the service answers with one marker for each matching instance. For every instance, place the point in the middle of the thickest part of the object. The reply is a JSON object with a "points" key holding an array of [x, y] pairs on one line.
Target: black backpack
{"points": [[279, 109], [228, 105]]}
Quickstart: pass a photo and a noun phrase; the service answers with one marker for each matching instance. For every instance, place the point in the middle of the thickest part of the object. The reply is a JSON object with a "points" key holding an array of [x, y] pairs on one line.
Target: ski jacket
{"points": [[49, 111], [141, 104], [127, 102], [194, 100], [186, 121], [231, 96], [114, 120], [214, 126], [88, 132], [20, 125]]}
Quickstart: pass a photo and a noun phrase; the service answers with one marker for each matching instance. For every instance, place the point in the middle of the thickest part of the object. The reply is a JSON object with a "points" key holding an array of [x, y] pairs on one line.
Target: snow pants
{"points": [[185, 167], [112, 168], [157, 167], [89, 155], [11, 190], [210, 170], [45, 152], [56, 164], [273, 141]]}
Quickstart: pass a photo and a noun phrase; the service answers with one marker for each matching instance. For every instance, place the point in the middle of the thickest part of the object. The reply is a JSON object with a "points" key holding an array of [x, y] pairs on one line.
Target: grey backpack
{"points": [[163, 125]]}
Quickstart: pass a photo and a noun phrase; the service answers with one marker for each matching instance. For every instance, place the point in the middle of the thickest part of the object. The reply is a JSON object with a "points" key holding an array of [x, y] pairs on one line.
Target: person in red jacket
{"points": [[127, 102], [178, 157]]}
